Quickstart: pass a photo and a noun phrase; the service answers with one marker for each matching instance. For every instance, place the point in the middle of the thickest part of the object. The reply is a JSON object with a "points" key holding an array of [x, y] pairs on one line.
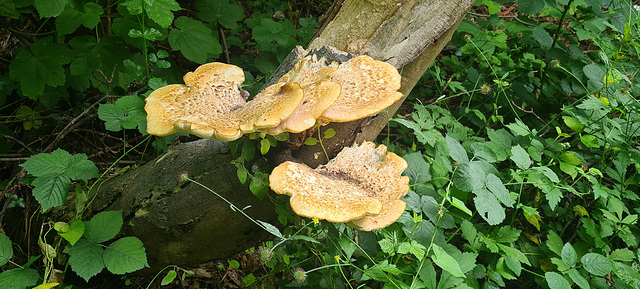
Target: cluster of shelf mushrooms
{"points": [[361, 186]]}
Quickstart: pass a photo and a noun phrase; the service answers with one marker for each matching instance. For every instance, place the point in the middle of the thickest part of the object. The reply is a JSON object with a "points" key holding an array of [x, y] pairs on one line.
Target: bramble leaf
{"points": [[456, 151], [569, 255], [194, 40], [225, 13], [542, 36], [160, 11], [488, 207], [530, 7], [71, 232], [520, 157], [38, 66], [103, 226], [18, 278], [577, 278], [85, 258], [494, 184], [125, 256], [470, 176], [51, 190]]}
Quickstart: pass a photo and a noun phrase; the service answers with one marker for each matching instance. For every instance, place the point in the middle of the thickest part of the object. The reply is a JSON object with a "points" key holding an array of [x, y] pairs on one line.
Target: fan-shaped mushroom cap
{"points": [[368, 87], [269, 108], [361, 182]]}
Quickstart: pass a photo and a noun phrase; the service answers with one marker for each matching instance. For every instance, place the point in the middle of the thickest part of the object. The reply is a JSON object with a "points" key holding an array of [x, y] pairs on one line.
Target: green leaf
{"points": [[127, 113], [494, 184], [418, 168], [569, 255], [577, 278], [259, 187], [420, 135], [171, 275], [329, 133], [85, 258], [6, 249], [548, 173], [273, 230], [412, 248], [125, 255], [8, 8], [49, 8], [573, 123], [469, 176], [80, 168], [456, 151], [71, 232], [554, 243], [519, 128], [513, 253], [469, 232], [61, 162], [160, 11], [596, 264], [103, 226], [460, 205], [446, 262], [71, 19], [507, 234], [623, 255], [590, 141], [542, 36], [488, 207], [514, 265], [51, 191], [194, 40], [223, 12], [310, 141], [555, 280], [19, 278], [520, 157], [93, 54], [530, 7], [265, 145], [39, 65], [594, 73]]}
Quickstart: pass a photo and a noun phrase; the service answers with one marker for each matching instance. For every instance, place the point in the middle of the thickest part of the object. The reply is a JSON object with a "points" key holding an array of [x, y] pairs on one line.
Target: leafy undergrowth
{"points": [[522, 143]]}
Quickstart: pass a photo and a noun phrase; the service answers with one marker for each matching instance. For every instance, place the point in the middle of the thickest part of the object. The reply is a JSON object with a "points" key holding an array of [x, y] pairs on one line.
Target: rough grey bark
{"points": [[182, 224]]}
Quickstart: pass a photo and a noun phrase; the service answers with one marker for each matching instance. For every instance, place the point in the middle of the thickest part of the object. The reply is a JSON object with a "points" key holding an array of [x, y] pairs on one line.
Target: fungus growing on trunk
{"points": [[361, 186]]}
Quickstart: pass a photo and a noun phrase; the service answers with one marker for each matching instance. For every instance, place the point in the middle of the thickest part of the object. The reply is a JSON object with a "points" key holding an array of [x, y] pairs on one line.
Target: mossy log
{"points": [[183, 224]]}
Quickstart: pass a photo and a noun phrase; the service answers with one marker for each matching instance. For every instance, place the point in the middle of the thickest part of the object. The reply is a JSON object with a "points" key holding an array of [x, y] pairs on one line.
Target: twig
{"points": [[11, 188], [225, 49], [18, 142]]}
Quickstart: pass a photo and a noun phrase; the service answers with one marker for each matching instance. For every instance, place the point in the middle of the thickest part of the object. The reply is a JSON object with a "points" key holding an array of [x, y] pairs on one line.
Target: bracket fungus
{"points": [[211, 103], [361, 186]]}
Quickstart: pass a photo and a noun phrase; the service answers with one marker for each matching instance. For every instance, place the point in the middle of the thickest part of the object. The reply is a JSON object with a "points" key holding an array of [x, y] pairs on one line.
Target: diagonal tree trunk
{"points": [[182, 224]]}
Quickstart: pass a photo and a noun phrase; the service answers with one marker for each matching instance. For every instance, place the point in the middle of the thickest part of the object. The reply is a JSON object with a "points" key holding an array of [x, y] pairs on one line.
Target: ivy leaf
{"points": [[125, 256], [556, 281], [160, 11], [194, 40], [85, 258], [38, 66], [49, 8], [103, 226], [126, 113], [488, 207], [222, 12], [446, 262], [19, 278], [71, 19], [6, 249], [596, 264]]}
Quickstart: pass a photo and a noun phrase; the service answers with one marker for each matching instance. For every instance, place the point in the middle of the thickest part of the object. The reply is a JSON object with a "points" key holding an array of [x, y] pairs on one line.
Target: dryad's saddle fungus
{"points": [[361, 186]]}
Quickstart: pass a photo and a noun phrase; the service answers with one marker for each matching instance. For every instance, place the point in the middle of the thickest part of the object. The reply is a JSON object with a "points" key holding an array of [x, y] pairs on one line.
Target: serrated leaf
{"points": [[49, 8], [542, 36], [127, 113], [171, 275], [8, 8], [494, 184], [51, 191], [507, 234], [73, 231], [6, 249], [125, 255], [194, 40], [85, 258], [47, 164], [569, 255], [103, 226], [556, 281], [469, 176], [596, 264], [160, 11], [19, 278], [623, 255], [594, 73], [446, 262], [92, 54], [421, 136], [577, 278], [488, 207], [80, 168], [469, 232], [412, 247], [70, 19], [513, 253], [39, 65], [225, 13], [554, 243], [514, 265], [548, 173], [520, 157], [418, 168], [456, 151]]}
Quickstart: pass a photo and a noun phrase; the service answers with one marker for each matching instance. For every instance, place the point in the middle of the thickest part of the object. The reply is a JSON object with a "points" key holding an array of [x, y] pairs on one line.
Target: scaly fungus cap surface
{"points": [[361, 182]]}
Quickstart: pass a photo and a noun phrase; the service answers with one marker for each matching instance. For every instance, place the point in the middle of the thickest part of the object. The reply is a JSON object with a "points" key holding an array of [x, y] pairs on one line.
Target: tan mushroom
{"points": [[361, 185], [368, 87]]}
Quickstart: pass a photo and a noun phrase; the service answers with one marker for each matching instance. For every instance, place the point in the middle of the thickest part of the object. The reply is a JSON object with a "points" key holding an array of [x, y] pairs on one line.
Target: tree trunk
{"points": [[182, 224]]}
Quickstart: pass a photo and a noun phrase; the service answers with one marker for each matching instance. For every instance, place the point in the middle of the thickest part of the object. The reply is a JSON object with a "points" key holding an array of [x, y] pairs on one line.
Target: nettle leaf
{"points": [[86, 258], [71, 18], [38, 66], [6, 249], [596, 264], [125, 256], [556, 281], [488, 207], [520, 157], [49, 8], [446, 262], [194, 40], [103, 226], [19, 278], [456, 151], [126, 113], [225, 13], [160, 11]]}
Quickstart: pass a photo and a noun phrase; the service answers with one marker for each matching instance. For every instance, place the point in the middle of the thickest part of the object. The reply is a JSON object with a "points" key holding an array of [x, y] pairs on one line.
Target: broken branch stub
{"points": [[361, 186]]}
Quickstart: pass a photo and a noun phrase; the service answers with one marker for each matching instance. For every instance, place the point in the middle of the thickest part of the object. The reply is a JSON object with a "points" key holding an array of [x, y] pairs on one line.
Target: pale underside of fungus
{"points": [[361, 186], [211, 105]]}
